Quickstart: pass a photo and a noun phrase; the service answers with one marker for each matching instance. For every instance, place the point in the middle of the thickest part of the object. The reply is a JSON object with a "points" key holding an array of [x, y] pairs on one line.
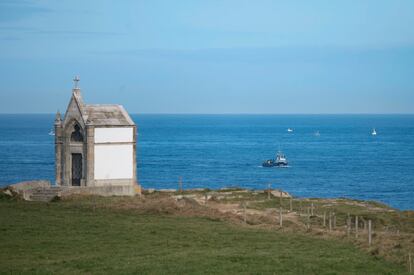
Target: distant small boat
{"points": [[51, 133], [374, 133], [290, 130], [317, 134]]}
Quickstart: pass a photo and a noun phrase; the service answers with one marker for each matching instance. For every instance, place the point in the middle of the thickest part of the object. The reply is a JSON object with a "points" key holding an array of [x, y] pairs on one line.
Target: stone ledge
{"points": [[118, 190]]}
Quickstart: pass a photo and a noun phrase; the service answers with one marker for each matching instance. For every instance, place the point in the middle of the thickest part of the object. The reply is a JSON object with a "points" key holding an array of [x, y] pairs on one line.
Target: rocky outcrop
{"points": [[280, 193], [26, 188]]}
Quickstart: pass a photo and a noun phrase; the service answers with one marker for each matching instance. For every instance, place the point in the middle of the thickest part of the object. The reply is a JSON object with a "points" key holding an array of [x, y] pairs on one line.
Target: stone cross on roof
{"points": [[76, 81]]}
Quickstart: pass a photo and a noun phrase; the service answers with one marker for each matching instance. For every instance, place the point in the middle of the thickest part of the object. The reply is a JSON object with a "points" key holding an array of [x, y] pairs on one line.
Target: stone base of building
{"points": [[105, 190], [44, 191]]}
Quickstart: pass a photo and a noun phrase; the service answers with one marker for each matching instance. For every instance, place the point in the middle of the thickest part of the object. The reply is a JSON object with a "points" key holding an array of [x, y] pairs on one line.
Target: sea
{"points": [[330, 156]]}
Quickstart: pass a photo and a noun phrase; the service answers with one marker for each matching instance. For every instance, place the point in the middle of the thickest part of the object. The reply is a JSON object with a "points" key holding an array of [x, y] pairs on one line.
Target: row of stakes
{"points": [[331, 220], [332, 223], [310, 212]]}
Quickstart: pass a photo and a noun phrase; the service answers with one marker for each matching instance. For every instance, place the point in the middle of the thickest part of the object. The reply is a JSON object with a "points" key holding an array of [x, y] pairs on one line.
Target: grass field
{"points": [[63, 237]]}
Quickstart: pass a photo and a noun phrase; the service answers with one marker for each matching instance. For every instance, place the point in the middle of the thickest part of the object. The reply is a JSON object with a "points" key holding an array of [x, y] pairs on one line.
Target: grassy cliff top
{"points": [[167, 233]]}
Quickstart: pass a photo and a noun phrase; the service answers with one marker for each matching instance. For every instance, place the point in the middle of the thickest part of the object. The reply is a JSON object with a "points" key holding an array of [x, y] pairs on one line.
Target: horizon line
{"points": [[154, 113]]}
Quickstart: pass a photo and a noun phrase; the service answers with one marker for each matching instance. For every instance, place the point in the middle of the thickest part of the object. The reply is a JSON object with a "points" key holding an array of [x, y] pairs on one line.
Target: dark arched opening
{"points": [[76, 135]]}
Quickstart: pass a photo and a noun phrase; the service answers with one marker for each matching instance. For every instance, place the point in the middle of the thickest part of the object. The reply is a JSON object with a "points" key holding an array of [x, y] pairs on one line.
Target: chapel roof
{"points": [[106, 115], [99, 114]]}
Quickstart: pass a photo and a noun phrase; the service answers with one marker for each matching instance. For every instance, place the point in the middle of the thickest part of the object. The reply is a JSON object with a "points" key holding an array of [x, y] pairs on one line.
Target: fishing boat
{"points": [[317, 134], [290, 130], [374, 133], [51, 133], [280, 160]]}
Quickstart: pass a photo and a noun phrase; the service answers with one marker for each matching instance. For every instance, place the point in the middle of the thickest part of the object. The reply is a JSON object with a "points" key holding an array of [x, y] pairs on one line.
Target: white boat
{"points": [[290, 130], [51, 133], [317, 134], [374, 133]]}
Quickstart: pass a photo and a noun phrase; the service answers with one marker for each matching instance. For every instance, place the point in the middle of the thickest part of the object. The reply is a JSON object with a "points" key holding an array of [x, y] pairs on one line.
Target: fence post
{"points": [[300, 207], [280, 217], [348, 225], [330, 221], [308, 219], [280, 197], [324, 219], [410, 264], [334, 220], [356, 227], [369, 233], [312, 209], [268, 191], [291, 205], [244, 213]]}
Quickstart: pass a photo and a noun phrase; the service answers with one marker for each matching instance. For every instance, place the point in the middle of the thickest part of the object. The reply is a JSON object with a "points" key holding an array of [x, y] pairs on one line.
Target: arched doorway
{"points": [[76, 169], [76, 154]]}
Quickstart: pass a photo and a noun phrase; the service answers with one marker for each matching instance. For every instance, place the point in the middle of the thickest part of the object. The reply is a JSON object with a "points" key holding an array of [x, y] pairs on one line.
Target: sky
{"points": [[216, 57]]}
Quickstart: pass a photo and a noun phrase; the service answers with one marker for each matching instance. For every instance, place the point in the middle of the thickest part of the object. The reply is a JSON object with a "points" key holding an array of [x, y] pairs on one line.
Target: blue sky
{"points": [[209, 56]]}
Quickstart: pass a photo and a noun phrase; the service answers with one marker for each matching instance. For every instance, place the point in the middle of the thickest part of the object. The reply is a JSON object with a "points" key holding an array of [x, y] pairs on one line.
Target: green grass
{"points": [[62, 237]]}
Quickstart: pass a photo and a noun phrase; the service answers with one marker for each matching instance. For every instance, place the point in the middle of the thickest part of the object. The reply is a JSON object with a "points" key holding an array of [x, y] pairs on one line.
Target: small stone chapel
{"points": [[95, 148]]}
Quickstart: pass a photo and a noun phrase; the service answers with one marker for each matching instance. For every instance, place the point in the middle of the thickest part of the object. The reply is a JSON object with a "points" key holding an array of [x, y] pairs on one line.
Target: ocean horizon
{"points": [[227, 150]]}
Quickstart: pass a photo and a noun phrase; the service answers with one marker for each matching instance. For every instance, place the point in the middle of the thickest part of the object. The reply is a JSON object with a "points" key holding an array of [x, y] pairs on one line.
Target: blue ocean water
{"points": [[216, 151]]}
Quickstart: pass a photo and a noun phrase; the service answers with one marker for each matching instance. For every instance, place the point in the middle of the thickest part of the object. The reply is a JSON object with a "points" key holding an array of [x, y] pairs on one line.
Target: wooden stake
{"points": [[324, 219], [312, 209], [180, 184], [369, 233], [300, 206], [244, 213], [348, 226], [334, 220], [356, 226], [308, 220], [330, 221], [268, 191], [280, 217], [280, 197]]}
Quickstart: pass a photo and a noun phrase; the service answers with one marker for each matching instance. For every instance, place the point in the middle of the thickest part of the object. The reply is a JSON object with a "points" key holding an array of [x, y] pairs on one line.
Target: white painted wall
{"points": [[120, 134], [113, 161]]}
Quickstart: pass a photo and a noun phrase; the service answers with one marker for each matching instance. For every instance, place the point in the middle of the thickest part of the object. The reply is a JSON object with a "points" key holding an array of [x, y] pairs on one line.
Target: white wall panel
{"points": [[113, 162], [124, 134]]}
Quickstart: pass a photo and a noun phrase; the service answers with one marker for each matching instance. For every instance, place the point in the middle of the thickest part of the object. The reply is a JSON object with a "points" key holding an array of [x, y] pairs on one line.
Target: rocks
{"points": [[8, 192], [276, 193], [29, 185], [167, 190], [26, 188]]}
